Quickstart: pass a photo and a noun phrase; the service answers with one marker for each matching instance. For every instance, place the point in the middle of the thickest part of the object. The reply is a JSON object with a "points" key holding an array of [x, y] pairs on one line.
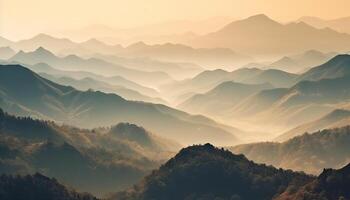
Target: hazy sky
{"points": [[23, 18]]}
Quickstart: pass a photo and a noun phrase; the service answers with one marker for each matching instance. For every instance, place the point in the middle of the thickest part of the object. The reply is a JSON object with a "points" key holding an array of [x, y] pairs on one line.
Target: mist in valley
{"points": [[234, 104]]}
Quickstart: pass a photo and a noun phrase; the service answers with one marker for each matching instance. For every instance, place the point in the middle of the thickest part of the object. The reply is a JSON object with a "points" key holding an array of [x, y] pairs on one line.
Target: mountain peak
{"points": [[137, 45], [259, 17], [42, 36], [260, 20], [43, 52]]}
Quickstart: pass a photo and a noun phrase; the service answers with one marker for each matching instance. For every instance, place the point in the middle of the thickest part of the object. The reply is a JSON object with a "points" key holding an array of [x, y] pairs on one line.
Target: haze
{"points": [[22, 19]]}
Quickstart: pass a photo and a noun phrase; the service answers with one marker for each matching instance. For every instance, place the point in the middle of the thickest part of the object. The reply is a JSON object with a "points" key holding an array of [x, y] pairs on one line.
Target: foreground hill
{"points": [[257, 35], [206, 172], [99, 160], [37, 186], [331, 184], [39, 97], [310, 152]]}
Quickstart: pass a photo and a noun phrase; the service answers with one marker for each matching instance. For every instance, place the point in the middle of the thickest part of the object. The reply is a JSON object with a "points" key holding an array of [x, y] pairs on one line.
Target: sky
{"points": [[24, 18]]}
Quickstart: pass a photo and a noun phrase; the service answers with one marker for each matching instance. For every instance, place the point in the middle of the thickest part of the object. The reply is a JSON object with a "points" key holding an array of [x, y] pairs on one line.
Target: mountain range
{"points": [[300, 63], [340, 24], [209, 79], [261, 36], [90, 83], [224, 96], [97, 66], [334, 119], [38, 97], [310, 153], [113, 80], [163, 53], [317, 92]]}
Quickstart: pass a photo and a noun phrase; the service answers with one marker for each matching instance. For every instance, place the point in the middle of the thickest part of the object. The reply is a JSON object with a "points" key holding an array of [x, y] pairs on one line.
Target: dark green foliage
{"points": [[28, 146], [36, 187], [330, 185], [206, 172]]}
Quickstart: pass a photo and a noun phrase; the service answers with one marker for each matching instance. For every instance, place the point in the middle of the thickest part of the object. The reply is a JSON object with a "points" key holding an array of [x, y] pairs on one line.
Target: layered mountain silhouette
{"points": [[90, 83], [302, 62], [206, 172], [178, 70], [317, 92], [340, 24], [46, 99], [114, 80], [260, 35], [165, 51], [6, 53], [206, 57], [334, 68], [336, 118], [310, 153], [37, 186], [73, 62], [222, 97], [209, 79]]}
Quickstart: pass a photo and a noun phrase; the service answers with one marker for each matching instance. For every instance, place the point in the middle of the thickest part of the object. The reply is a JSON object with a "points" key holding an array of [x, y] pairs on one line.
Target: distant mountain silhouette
{"points": [[260, 35], [317, 92], [334, 68], [73, 62], [206, 57], [93, 109], [178, 70], [206, 172], [222, 97], [330, 184], [6, 53], [90, 83], [310, 153], [208, 80], [304, 102], [334, 119], [340, 24], [37, 186], [302, 62], [169, 31], [164, 51], [115, 80]]}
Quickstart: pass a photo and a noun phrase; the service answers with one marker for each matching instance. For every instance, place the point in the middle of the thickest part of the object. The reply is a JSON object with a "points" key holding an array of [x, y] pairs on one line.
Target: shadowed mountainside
{"points": [[206, 172], [44, 99], [309, 152]]}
